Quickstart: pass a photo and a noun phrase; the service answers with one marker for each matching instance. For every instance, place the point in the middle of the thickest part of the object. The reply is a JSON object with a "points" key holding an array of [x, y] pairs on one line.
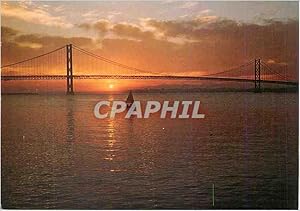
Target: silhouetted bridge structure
{"points": [[70, 58]]}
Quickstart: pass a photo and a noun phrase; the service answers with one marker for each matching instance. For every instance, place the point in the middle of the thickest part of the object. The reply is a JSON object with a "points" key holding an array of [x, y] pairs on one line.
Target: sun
{"points": [[111, 86]]}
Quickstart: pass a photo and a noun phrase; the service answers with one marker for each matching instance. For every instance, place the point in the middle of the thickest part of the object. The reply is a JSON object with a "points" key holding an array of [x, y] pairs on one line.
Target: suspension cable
{"points": [[273, 71], [26, 60], [231, 69], [113, 62]]}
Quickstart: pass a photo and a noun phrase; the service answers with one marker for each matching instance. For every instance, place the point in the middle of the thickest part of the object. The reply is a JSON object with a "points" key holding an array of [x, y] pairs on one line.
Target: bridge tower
{"points": [[69, 70], [257, 65]]}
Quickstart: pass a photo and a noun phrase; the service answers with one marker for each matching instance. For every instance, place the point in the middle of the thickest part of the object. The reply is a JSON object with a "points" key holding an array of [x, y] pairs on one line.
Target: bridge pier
{"points": [[257, 65], [70, 89]]}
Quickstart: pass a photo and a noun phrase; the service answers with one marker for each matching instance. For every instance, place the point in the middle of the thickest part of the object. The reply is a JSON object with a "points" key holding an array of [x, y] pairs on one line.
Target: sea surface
{"points": [[243, 154]]}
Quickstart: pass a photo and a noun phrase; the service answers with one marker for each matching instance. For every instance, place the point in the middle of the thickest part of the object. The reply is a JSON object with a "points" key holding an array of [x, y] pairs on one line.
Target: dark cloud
{"points": [[228, 42], [17, 46], [8, 32], [131, 31], [101, 26], [125, 30], [204, 45]]}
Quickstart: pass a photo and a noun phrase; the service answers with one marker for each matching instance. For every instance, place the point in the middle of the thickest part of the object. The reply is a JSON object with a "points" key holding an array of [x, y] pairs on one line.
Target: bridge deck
{"points": [[140, 77]]}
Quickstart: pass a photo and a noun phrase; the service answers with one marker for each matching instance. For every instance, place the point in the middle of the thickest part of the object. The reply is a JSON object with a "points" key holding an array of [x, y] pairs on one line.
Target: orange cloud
{"points": [[186, 46], [36, 15], [101, 25]]}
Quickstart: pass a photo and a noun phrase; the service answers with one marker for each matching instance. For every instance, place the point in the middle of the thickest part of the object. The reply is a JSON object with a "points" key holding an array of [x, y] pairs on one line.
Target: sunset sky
{"points": [[190, 38]]}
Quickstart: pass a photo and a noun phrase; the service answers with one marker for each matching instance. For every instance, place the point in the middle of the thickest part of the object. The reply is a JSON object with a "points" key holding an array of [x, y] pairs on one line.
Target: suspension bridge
{"points": [[71, 62]]}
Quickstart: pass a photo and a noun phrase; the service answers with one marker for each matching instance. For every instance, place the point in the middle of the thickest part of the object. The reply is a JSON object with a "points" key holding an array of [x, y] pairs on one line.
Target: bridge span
{"points": [[141, 77], [37, 68]]}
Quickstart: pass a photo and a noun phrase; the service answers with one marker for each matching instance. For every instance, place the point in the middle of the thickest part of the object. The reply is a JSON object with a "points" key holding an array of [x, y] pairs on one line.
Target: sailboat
{"points": [[129, 100]]}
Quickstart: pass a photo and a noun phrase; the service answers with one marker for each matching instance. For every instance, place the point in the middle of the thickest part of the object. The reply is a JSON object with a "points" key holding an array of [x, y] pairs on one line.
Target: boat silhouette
{"points": [[129, 100]]}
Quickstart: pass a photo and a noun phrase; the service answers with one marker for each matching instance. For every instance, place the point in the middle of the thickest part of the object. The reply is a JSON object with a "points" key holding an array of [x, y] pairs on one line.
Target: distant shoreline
{"points": [[25, 93], [145, 91]]}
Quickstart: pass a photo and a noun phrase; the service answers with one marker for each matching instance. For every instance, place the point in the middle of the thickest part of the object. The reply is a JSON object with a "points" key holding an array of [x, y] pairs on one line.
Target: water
{"points": [[56, 154]]}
